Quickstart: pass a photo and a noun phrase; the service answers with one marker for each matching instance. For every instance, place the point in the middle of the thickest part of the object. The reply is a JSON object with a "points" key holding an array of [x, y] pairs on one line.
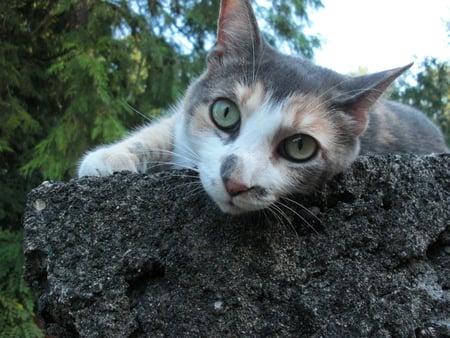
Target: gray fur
{"points": [[243, 56], [362, 123], [228, 166], [415, 133]]}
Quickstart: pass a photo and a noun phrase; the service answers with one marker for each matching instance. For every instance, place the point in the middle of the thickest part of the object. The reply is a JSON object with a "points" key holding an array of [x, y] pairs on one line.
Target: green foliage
{"points": [[16, 301], [283, 17], [430, 93]]}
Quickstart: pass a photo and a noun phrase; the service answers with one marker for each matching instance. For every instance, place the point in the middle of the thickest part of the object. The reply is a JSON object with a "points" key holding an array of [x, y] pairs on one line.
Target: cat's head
{"points": [[260, 125]]}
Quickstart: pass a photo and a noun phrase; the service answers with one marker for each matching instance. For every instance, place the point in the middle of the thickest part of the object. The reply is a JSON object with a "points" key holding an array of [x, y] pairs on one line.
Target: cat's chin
{"points": [[234, 210], [236, 207]]}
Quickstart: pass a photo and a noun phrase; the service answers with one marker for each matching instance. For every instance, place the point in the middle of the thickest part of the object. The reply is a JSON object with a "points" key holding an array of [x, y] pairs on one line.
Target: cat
{"points": [[259, 125]]}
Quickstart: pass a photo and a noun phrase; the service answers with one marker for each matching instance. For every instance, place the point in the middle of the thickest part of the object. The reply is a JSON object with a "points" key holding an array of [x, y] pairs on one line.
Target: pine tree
{"points": [[429, 92], [16, 301]]}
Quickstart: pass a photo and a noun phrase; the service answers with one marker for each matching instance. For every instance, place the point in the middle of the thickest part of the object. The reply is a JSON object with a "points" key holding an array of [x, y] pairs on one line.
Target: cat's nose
{"points": [[235, 188]]}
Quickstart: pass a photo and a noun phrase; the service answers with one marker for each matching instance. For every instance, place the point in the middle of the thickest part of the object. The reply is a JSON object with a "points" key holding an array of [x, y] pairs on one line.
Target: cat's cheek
{"points": [[215, 189]]}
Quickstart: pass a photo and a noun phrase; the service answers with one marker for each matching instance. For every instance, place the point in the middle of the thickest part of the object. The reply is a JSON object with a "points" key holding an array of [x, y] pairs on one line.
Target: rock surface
{"points": [[151, 255]]}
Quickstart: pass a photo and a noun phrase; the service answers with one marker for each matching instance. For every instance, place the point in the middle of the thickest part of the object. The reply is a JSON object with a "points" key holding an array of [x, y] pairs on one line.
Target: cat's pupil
{"points": [[226, 112], [299, 142]]}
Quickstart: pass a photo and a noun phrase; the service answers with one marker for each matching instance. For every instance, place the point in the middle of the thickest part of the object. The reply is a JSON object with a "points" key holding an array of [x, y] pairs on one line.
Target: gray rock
{"points": [[151, 255]]}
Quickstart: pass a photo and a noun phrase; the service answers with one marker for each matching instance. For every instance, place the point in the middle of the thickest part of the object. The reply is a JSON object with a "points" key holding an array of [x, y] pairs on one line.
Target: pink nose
{"points": [[235, 188]]}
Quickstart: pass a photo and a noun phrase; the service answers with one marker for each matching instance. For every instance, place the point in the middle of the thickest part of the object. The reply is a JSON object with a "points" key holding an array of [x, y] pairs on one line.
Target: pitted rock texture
{"points": [[152, 256]]}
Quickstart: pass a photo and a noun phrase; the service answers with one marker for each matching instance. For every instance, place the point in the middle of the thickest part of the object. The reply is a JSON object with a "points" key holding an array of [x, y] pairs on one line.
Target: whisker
{"points": [[150, 165], [275, 214], [306, 222], [309, 212], [172, 153], [184, 185], [167, 177], [284, 215], [139, 113], [197, 191], [148, 158]]}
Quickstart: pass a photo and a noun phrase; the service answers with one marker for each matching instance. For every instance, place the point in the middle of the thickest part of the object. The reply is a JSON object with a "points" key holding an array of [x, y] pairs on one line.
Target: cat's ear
{"points": [[238, 35], [358, 95]]}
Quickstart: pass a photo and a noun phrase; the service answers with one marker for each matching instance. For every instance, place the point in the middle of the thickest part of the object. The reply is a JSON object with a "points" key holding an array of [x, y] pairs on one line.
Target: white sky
{"points": [[380, 34]]}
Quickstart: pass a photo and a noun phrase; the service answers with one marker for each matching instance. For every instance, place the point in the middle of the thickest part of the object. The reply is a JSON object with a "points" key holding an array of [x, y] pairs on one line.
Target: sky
{"points": [[380, 34]]}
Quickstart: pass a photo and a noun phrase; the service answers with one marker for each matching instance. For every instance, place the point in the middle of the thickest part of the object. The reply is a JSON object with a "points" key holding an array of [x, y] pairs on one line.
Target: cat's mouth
{"points": [[237, 198]]}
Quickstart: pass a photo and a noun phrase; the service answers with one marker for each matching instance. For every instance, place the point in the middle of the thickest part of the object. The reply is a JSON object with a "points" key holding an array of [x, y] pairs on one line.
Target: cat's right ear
{"points": [[238, 35], [360, 93]]}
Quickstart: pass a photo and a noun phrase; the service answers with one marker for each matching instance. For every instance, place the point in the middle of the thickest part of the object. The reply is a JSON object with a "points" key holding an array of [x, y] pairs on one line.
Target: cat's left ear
{"points": [[238, 35], [358, 95]]}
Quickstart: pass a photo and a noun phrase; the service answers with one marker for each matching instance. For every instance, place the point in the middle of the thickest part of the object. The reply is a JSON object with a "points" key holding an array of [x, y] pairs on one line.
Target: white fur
{"points": [[253, 147], [107, 160], [155, 138]]}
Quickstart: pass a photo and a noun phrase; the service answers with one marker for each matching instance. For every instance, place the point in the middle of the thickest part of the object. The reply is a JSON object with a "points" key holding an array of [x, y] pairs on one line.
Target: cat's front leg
{"points": [[150, 146]]}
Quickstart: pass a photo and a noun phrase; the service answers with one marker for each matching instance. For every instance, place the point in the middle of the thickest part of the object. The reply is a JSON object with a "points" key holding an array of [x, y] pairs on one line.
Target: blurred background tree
{"points": [[70, 69], [428, 91]]}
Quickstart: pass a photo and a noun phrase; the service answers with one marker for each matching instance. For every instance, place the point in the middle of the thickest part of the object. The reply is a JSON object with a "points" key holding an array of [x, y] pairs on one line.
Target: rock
{"points": [[151, 255]]}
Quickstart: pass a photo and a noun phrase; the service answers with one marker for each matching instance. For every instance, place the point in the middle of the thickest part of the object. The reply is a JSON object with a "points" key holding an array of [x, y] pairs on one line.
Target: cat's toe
{"points": [[104, 162]]}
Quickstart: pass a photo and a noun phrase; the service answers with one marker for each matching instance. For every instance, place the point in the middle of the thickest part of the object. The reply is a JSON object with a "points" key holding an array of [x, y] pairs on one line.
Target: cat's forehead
{"points": [[298, 110], [252, 97], [280, 74]]}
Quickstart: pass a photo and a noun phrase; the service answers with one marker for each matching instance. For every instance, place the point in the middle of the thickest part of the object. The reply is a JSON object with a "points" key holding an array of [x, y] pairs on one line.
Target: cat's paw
{"points": [[106, 161]]}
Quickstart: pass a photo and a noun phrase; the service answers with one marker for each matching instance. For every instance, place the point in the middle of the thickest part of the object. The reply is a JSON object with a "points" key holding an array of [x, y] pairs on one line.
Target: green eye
{"points": [[298, 148], [225, 114]]}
